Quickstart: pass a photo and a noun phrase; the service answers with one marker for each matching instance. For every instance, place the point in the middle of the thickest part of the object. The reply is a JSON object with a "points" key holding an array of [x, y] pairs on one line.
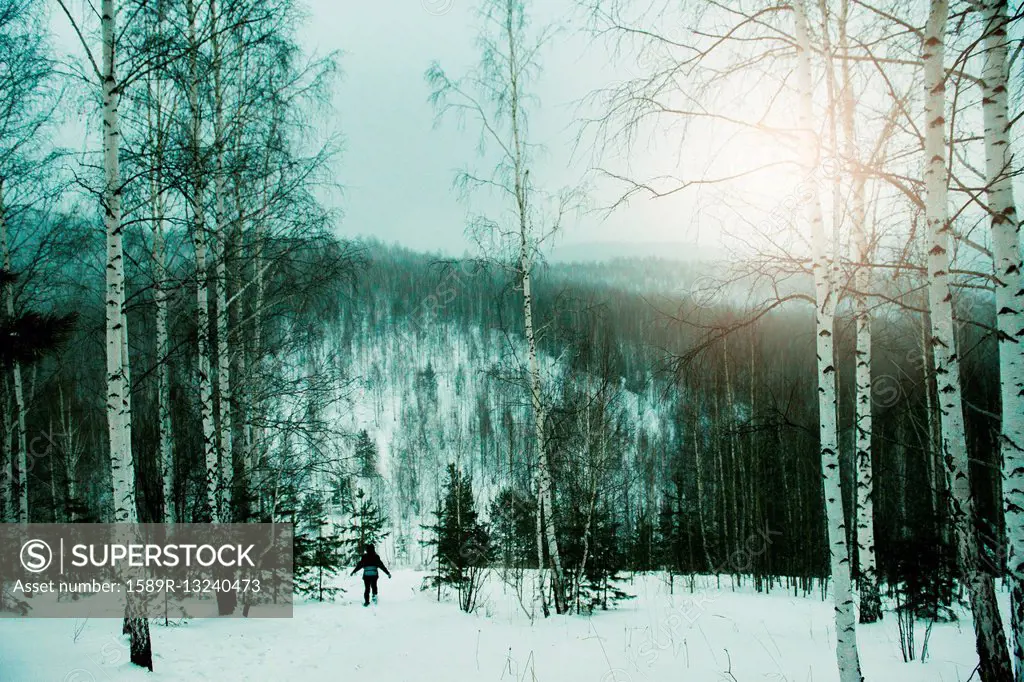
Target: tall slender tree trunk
{"points": [[199, 238], [253, 433], [994, 661], [701, 515], [71, 457], [227, 600], [870, 601], [545, 497], [936, 483], [1006, 252], [539, 526], [122, 465], [19, 490], [220, 236], [593, 471], [158, 133], [163, 347], [825, 297], [733, 490]]}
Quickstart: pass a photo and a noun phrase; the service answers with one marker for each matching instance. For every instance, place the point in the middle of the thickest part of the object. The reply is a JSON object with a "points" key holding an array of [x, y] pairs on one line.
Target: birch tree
{"points": [[496, 98], [122, 465], [1009, 286], [825, 306], [220, 236], [158, 122], [870, 602], [197, 202], [994, 663]]}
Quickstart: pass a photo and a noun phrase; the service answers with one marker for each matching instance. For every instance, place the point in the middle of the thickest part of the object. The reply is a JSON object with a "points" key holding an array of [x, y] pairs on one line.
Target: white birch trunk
{"points": [[545, 497], [19, 453], [254, 434], [994, 663], [870, 601], [221, 282], [122, 467], [999, 166], [539, 526], [163, 369], [202, 274], [163, 374], [846, 626]]}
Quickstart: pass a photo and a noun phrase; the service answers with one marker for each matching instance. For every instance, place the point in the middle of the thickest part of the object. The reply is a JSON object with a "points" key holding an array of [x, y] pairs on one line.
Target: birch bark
{"points": [[994, 662], [118, 405], [545, 496], [158, 133], [119, 425], [202, 272], [825, 298], [221, 281], [999, 166], [870, 601]]}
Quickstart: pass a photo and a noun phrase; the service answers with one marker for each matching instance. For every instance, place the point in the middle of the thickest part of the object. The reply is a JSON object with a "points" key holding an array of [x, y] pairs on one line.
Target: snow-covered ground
{"points": [[706, 636]]}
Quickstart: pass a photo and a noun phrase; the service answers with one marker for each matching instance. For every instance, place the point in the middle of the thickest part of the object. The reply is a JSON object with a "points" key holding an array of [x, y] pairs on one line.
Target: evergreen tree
{"points": [[367, 525], [426, 385], [366, 455], [604, 558], [461, 542], [317, 550]]}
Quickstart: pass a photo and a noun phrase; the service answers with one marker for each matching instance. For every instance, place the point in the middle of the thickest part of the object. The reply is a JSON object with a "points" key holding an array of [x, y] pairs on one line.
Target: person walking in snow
{"points": [[369, 564]]}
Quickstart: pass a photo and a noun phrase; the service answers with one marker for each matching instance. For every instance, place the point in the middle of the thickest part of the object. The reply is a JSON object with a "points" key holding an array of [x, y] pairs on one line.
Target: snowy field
{"points": [[709, 635]]}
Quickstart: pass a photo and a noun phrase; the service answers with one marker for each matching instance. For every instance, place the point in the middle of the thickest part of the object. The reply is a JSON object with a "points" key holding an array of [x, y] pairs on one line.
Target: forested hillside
{"points": [[695, 449]]}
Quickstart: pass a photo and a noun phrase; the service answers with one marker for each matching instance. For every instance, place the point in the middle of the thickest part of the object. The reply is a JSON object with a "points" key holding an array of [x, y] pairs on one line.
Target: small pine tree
{"points": [[461, 542], [606, 561], [367, 524], [605, 558], [426, 385], [366, 455], [317, 550]]}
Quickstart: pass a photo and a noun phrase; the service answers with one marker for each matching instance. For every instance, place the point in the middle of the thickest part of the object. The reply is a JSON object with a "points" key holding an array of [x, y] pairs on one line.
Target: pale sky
{"points": [[397, 167]]}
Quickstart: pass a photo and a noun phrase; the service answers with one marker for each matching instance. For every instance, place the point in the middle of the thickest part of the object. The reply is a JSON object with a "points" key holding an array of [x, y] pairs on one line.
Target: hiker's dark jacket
{"points": [[370, 563]]}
